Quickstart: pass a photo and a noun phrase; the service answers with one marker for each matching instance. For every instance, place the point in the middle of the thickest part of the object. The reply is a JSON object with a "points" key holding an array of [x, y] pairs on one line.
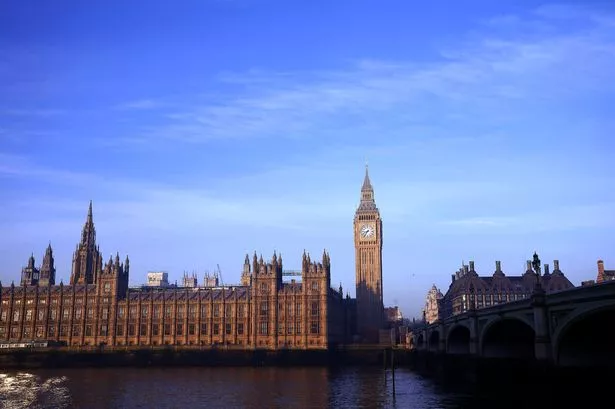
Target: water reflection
{"points": [[222, 388]]}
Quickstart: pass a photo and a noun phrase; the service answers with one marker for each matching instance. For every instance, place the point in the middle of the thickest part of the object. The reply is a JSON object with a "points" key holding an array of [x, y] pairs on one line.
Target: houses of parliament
{"points": [[98, 307]]}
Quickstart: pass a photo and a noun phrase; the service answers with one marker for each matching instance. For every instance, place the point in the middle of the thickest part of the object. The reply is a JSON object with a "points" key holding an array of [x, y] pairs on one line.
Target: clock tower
{"points": [[368, 264]]}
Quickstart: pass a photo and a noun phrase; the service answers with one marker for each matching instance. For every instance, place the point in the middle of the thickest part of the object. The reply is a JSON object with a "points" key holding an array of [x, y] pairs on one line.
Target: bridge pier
{"points": [[542, 346]]}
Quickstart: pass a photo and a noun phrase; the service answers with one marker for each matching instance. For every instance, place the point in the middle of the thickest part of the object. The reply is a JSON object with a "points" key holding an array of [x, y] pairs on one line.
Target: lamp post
{"points": [[536, 266]]}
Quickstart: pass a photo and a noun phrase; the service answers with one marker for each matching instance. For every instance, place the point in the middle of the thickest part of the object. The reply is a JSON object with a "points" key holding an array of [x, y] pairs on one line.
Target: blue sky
{"points": [[205, 130]]}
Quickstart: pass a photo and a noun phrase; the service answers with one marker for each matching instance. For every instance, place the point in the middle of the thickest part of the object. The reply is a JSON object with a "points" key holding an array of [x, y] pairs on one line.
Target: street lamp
{"points": [[536, 266]]}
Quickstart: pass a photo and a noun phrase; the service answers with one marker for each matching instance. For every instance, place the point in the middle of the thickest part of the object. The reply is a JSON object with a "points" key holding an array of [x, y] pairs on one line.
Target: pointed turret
{"points": [[87, 258], [367, 184], [367, 195], [48, 271]]}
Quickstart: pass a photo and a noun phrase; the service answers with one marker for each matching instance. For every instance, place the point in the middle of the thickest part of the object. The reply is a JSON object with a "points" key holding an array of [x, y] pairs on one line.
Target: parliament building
{"points": [[98, 307]]}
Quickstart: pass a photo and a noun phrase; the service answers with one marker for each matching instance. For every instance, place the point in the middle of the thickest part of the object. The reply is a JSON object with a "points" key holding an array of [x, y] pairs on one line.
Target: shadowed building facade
{"points": [[468, 289], [368, 264], [98, 307]]}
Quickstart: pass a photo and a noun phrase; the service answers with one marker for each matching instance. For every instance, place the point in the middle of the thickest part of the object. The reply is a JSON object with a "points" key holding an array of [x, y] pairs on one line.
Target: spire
{"points": [[88, 236], [90, 212], [367, 195], [367, 184]]}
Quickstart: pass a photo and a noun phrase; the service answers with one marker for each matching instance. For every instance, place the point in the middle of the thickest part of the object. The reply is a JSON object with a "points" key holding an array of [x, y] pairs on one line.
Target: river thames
{"points": [[225, 388]]}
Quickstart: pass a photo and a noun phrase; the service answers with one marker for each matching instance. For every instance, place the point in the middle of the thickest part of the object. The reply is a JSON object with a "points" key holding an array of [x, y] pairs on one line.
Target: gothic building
{"points": [[468, 289], [98, 307], [432, 304], [368, 264]]}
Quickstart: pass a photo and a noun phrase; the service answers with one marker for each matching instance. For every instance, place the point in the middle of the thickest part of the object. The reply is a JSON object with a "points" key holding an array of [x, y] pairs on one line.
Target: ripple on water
{"points": [[26, 390]]}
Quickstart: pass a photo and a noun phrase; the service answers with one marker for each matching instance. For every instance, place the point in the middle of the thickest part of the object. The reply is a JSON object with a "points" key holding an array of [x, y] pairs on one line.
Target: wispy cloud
{"points": [[141, 104], [486, 74], [33, 112]]}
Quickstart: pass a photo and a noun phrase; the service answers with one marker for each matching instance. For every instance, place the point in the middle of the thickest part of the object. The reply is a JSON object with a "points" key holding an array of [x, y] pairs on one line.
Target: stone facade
{"points": [[469, 289], [432, 303], [98, 307], [368, 265]]}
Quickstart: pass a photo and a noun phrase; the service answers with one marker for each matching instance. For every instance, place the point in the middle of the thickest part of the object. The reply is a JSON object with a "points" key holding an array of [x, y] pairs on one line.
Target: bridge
{"points": [[572, 328]]}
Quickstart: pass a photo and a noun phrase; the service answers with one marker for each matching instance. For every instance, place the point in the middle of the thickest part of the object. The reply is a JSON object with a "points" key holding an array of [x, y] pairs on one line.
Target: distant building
{"points": [[157, 279], [189, 280], [212, 280], [604, 275], [432, 304], [468, 288], [393, 315]]}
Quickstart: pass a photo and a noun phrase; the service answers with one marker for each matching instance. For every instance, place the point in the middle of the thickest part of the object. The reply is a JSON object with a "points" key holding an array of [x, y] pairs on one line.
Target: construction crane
{"points": [[219, 273]]}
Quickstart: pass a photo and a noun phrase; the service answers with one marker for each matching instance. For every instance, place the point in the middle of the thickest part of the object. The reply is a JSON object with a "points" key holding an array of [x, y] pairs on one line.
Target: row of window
{"points": [[180, 330]]}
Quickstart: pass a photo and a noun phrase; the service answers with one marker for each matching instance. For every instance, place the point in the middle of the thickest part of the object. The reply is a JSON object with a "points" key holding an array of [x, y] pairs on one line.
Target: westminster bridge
{"points": [[571, 328]]}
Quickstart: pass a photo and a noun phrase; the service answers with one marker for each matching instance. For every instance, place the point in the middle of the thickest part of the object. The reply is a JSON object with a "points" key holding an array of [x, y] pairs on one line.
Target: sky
{"points": [[206, 130]]}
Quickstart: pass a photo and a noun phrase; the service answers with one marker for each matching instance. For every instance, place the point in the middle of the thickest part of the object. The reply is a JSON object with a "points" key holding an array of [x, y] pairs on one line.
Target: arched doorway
{"points": [[508, 338], [458, 340]]}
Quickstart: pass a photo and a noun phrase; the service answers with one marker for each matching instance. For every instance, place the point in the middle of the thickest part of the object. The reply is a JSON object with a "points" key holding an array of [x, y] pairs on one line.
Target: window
{"points": [[229, 329], [192, 312], [156, 312], [107, 287], [131, 330], [4, 315], [203, 310], [29, 301], [26, 332], [167, 311], [298, 310], [143, 330], [155, 330], [29, 314], [191, 329], [133, 312], [78, 313], [228, 310], [104, 331], [216, 310], [120, 330], [290, 328], [14, 332], [180, 312], [314, 327], [65, 313], [262, 328], [120, 311], [203, 329], [144, 311], [88, 330], [105, 313], [15, 316], [241, 311], [240, 329], [2, 332], [289, 309], [63, 330], [167, 329], [314, 308], [180, 329], [299, 326], [315, 285], [51, 331], [263, 308], [216, 329], [76, 330], [90, 313]]}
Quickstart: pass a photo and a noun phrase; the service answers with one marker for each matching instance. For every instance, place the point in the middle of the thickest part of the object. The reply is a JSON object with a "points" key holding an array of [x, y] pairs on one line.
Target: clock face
{"points": [[367, 231]]}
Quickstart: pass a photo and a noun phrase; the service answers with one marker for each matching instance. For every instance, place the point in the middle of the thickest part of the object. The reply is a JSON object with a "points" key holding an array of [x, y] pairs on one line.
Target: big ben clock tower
{"points": [[368, 264]]}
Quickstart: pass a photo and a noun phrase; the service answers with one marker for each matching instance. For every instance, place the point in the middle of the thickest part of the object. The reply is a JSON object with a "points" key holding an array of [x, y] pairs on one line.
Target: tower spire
{"points": [[367, 184]]}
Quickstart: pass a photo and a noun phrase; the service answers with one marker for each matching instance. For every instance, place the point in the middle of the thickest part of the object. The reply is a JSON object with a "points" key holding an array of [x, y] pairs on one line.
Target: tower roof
{"points": [[367, 184]]}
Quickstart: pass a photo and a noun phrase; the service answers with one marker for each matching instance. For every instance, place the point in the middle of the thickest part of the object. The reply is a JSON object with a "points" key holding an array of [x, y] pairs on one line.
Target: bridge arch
{"points": [[508, 338], [585, 338], [458, 340], [434, 340], [420, 341]]}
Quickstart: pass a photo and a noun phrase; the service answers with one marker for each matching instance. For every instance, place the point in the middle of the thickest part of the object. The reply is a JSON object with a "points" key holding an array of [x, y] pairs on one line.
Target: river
{"points": [[226, 388]]}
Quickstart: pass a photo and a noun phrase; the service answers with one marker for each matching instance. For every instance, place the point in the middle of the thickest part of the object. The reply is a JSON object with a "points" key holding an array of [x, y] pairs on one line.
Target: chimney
{"points": [[465, 269], [547, 269], [556, 266], [471, 266], [600, 277], [498, 266], [528, 266], [452, 278]]}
